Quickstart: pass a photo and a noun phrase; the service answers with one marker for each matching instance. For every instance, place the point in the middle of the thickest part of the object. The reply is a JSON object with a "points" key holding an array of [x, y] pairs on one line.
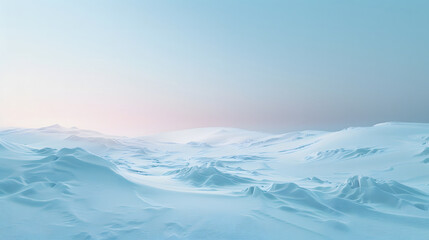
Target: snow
{"points": [[216, 183]]}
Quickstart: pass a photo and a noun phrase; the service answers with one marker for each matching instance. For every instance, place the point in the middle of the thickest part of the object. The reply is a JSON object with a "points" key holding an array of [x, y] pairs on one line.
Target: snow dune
{"points": [[216, 183]]}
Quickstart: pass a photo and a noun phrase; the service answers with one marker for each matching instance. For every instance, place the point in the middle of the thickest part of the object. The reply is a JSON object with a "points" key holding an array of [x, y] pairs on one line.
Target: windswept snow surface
{"points": [[216, 183]]}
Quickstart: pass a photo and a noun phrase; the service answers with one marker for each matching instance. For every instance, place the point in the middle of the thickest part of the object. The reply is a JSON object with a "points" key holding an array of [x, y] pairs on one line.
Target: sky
{"points": [[139, 67]]}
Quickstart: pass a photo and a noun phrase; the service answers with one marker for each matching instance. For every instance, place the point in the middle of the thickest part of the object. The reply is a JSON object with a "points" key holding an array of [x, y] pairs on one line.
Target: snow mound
{"points": [[391, 193], [357, 194], [60, 196], [425, 152]]}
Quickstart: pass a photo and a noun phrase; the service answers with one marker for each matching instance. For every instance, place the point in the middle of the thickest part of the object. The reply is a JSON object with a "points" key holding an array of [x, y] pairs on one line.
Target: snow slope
{"points": [[216, 183]]}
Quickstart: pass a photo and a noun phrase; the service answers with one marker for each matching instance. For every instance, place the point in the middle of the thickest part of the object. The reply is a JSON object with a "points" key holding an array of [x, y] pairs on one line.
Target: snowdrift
{"points": [[216, 183]]}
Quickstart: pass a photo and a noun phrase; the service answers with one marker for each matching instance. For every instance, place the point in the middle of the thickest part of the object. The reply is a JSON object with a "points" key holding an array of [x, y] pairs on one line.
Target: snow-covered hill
{"points": [[216, 183]]}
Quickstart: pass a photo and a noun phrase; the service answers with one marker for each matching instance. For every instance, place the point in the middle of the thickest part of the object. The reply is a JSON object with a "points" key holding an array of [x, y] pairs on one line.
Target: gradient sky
{"points": [[139, 67]]}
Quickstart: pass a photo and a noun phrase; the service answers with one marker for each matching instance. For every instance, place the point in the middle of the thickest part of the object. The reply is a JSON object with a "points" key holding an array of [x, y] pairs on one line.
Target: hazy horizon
{"points": [[207, 127], [143, 67]]}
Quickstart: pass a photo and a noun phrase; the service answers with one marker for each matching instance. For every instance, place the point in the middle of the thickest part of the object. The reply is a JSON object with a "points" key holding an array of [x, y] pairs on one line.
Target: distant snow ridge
{"points": [[208, 136], [106, 142], [58, 129], [207, 176], [344, 153], [287, 137], [316, 180]]}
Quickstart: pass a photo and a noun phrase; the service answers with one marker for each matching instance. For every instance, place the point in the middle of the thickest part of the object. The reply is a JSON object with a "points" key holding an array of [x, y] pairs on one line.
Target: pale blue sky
{"points": [[137, 67]]}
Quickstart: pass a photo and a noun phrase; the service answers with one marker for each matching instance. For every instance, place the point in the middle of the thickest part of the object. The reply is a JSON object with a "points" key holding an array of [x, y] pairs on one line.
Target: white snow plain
{"points": [[216, 183]]}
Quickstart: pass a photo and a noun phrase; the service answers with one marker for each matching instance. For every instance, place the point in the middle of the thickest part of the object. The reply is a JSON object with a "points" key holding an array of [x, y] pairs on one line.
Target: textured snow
{"points": [[216, 183]]}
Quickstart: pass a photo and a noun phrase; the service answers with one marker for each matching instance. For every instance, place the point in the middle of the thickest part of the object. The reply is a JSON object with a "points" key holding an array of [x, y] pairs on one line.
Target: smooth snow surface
{"points": [[216, 183]]}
